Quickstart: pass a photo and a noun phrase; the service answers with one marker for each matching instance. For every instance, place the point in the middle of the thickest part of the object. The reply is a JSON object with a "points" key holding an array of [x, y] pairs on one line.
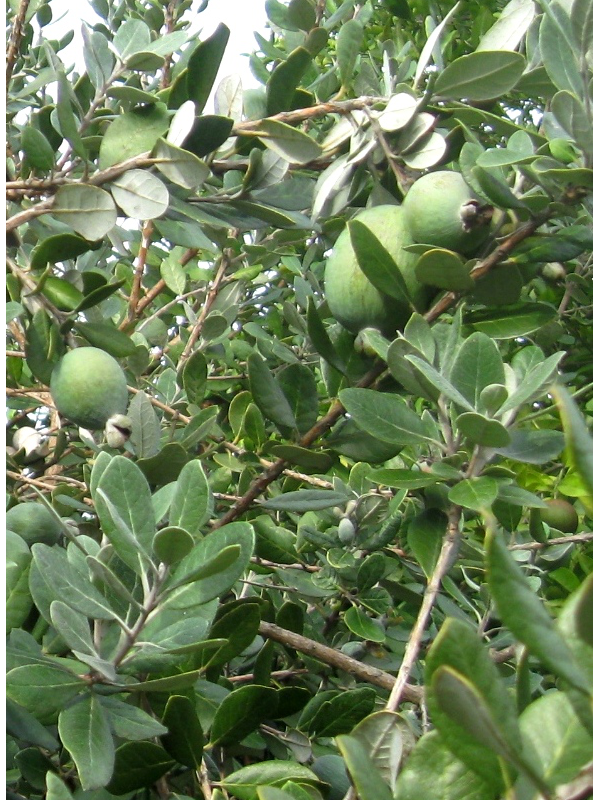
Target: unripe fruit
{"points": [[346, 531], [33, 522], [560, 514], [352, 299], [443, 211], [88, 387]]}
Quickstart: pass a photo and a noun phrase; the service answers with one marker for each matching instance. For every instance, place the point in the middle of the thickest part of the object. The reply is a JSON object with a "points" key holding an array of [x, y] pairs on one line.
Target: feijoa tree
{"points": [[303, 560]]}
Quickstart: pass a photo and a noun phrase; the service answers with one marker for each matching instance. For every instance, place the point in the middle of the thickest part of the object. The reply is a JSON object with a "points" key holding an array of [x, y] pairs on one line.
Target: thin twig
{"points": [[449, 545], [576, 538], [16, 35]]}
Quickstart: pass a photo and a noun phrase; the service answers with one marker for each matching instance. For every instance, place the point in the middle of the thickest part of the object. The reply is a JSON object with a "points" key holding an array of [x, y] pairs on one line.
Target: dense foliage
{"points": [[302, 563]]}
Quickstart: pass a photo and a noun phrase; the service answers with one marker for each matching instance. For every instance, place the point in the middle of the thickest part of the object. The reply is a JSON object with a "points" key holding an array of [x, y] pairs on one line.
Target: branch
{"points": [[576, 538], [412, 694], [413, 645], [16, 35]]}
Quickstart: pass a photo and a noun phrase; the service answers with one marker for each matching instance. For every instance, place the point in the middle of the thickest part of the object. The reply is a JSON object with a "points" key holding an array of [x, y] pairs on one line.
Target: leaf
{"points": [[42, 689], [509, 322], [73, 627], [67, 122], [192, 503], [240, 713], [106, 336], [180, 166], [366, 779], [185, 738], [203, 66], [302, 14], [99, 60], [388, 739], [424, 537], [402, 478], [483, 431], [38, 150], [194, 376], [478, 364], [376, 263], [131, 36], [531, 384], [552, 731], [510, 27], [305, 500], [437, 379], [482, 75], [268, 394], [432, 771], [557, 51], [399, 111], [428, 152], [525, 616], [243, 782], [208, 133], [299, 387], [145, 426], [292, 145], [387, 417], [85, 733], [207, 551], [534, 446], [21, 724], [431, 44], [59, 247], [475, 493], [89, 210], [578, 438], [174, 275], [284, 79], [171, 544], [137, 765], [320, 338], [140, 195], [348, 47], [133, 133], [364, 626], [56, 789], [128, 721]]}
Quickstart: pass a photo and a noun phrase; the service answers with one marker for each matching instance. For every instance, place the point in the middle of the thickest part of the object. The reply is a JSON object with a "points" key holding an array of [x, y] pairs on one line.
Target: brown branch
{"points": [[16, 35], [576, 538], [445, 559], [142, 256], [332, 657]]}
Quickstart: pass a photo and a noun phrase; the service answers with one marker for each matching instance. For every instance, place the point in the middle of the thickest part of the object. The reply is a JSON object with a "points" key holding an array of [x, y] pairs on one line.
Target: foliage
{"points": [[318, 567]]}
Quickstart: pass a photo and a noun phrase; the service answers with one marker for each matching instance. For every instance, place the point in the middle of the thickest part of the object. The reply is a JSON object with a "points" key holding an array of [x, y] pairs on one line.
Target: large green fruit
{"points": [[33, 522], [560, 514], [352, 299], [88, 387], [442, 210]]}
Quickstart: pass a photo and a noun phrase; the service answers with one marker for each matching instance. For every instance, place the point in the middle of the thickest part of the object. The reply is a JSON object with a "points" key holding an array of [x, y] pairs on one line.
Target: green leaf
{"points": [[192, 503], [89, 210], [291, 144], [432, 45], [509, 322], [85, 732], [364, 626], [305, 500], [99, 60], [240, 713], [301, 13], [532, 383], [139, 194], [180, 166], [444, 270], [376, 263], [299, 387], [365, 776], [385, 416], [285, 78], [56, 789], [128, 721], [348, 47], [106, 336], [194, 376], [173, 274], [388, 739], [432, 771], [206, 551], [60, 247], [320, 338], [138, 765], [133, 133], [309, 460], [437, 379], [21, 724], [208, 133], [243, 783], [402, 478], [525, 616], [239, 625], [166, 465], [424, 536], [67, 122], [534, 446], [552, 731], [557, 51], [478, 364], [131, 36], [185, 738], [268, 394], [483, 431], [38, 150], [73, 627], [203, 66], [475, 493], [510, 27], [145, 426], [483, 75], [171, 544], [42, 689], [495, 187], [577, 435]]}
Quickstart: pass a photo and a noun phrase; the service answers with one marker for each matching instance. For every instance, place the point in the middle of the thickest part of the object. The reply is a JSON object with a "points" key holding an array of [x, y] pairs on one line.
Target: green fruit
{"points": [[560, 514], [352, 299], [88, 387], [443, 211], [33, 522]]}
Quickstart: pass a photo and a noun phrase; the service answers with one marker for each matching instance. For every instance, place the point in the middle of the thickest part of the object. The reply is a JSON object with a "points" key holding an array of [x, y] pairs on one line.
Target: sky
{"points": [[242, 17]]}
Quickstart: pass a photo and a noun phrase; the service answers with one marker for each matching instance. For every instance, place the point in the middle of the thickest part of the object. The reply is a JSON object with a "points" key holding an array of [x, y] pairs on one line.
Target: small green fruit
{"points": [[443, 211], [33, 522], [88, 387], [560, 514], [352, 298]]}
